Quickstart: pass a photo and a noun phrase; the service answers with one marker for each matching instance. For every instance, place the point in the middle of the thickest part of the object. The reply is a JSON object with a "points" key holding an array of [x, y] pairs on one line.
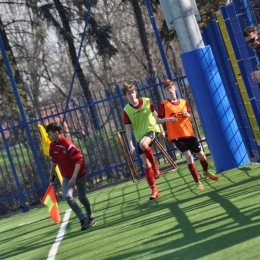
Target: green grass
{"points": [[219, 222]]}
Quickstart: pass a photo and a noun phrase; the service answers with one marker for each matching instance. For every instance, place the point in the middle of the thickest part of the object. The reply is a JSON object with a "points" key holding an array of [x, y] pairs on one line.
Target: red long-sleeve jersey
{"points": [[67, 155]]}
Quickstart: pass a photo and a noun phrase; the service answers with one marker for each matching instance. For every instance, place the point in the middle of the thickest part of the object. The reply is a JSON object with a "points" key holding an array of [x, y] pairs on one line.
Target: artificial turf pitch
{"points": [[220, 222]]}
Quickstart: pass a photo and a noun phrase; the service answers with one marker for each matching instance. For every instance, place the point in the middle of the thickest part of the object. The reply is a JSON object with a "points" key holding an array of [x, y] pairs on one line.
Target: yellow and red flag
{"points": [[49, 199], [46, 146]]}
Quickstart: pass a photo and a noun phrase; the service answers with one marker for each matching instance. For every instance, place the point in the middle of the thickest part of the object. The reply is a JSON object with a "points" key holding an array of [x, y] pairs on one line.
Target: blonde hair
{"points": [[127, 88], [168, 83]]}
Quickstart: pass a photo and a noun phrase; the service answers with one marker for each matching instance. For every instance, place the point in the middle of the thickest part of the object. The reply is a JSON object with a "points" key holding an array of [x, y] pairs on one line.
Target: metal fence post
{"points": [[25, 208], [20, 106]]}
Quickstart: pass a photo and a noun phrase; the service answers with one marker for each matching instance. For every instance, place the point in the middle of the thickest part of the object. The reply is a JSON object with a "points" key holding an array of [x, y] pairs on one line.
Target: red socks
{"points": [[149, 174], [205, 165], [194, 172], [149, 155]]}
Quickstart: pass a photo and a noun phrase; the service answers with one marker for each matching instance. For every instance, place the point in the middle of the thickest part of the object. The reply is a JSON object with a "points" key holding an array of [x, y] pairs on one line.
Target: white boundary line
{"points": [[55, 246]]}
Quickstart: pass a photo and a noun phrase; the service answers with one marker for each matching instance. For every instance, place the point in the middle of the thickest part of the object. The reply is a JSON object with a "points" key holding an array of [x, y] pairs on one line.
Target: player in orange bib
{"points": [[139, 114], [175, 112]]}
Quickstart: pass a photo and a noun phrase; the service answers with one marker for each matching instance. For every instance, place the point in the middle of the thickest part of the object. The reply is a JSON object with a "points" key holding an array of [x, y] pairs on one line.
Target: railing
{"points": [[20, 182]]}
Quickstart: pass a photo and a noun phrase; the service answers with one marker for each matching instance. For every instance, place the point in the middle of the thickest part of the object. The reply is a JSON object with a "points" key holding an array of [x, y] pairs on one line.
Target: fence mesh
{"points": [[43, 40]]}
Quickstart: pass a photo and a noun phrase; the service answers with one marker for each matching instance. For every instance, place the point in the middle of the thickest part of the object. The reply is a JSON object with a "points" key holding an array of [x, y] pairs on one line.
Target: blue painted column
{"points": [[223, 137]]}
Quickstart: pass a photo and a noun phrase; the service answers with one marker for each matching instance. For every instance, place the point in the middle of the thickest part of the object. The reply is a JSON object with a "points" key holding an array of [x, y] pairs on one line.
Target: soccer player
{"points": [[139, 114], [252, 38], [67, 156], [175, 113]]}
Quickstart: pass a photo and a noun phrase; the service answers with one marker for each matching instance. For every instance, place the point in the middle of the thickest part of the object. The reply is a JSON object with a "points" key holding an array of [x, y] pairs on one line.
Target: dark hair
{"points": [[53, 127], [128, 87], [248, 30]]}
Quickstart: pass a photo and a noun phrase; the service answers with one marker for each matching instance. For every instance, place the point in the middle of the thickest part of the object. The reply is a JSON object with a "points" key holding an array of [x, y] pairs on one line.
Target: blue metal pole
{"points": [[160, 46], [77, 62], [20, 106], [25, 208], [120, 96], [159, 42]]}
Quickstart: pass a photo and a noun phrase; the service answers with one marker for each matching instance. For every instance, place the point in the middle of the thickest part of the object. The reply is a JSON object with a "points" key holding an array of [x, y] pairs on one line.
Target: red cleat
{"points": [[155, 195], [210, 175]]}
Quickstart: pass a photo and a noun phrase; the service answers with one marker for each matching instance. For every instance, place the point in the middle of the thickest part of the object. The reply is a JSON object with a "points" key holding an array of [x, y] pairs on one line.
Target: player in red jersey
{"points": [[68, 157], [175, 112], [139, 114]]}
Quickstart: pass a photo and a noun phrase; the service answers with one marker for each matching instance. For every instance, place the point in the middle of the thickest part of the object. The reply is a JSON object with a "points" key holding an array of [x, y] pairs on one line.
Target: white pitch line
{"points": [[55, 246]]}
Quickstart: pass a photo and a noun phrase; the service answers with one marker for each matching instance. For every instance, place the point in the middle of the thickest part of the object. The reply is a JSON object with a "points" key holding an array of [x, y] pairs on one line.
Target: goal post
{"points": [[123, 142]]}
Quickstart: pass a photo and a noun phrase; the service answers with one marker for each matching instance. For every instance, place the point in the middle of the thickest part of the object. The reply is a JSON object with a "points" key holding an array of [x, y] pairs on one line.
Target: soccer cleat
{"points": [[155, 195], [84, 223], [199, 185], [156, 172], [210, 175], [92, 222]]}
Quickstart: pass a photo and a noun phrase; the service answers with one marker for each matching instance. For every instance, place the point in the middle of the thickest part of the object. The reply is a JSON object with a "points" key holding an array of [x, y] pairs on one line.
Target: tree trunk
{"points": [[84, 83], [12, 60], [143, 36], [144, 40]]}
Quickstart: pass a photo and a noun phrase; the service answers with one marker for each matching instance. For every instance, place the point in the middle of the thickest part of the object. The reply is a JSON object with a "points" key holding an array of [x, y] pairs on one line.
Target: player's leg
{"points": [[145, 145], [195, 147], [81, 188], [204, 163], [149, 175], [68, 195], [183, 147]]}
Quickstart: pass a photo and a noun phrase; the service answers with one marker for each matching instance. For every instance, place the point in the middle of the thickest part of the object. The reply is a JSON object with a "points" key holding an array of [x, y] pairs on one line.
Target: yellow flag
{"points": [[49, 199], [45, 140], [45, 147]]}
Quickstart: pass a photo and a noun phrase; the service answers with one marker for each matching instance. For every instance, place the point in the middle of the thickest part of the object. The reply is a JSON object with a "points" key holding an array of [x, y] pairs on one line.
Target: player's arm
{"points": [[77, 157], [255, 76], [162, 133], [72, 181], [154, 113], [187, 111], [160, 119], [128, 129], [52, 171]]}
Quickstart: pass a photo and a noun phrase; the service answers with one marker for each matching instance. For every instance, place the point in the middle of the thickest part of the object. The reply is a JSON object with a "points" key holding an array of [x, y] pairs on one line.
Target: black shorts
{"points": [[152, 135], [185, 144]]}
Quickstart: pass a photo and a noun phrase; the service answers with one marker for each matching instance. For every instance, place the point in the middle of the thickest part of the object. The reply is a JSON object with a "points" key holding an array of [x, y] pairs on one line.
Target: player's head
{"points": [[252, 37], [128, 88], [53, 130], [167, 83], [170, 88]]}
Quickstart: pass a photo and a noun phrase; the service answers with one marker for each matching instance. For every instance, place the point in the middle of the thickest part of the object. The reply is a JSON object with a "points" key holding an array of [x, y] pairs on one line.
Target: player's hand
{"points": [[132, 149], [172, 119], [162, 134], [255, 76], [72, 182], [185, 113], [52, 178]]}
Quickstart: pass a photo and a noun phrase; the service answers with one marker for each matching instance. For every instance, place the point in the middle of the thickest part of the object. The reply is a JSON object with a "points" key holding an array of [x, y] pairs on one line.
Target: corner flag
{"points": [[49, 199], [45, 147]]}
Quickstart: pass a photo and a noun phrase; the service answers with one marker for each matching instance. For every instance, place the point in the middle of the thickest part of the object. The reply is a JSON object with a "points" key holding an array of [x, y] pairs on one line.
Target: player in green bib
{"points": [[140, 116]]}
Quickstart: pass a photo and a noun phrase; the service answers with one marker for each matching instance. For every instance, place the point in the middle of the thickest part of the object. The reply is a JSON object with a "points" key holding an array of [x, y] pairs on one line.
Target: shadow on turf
{"points": [[192, 244]]}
